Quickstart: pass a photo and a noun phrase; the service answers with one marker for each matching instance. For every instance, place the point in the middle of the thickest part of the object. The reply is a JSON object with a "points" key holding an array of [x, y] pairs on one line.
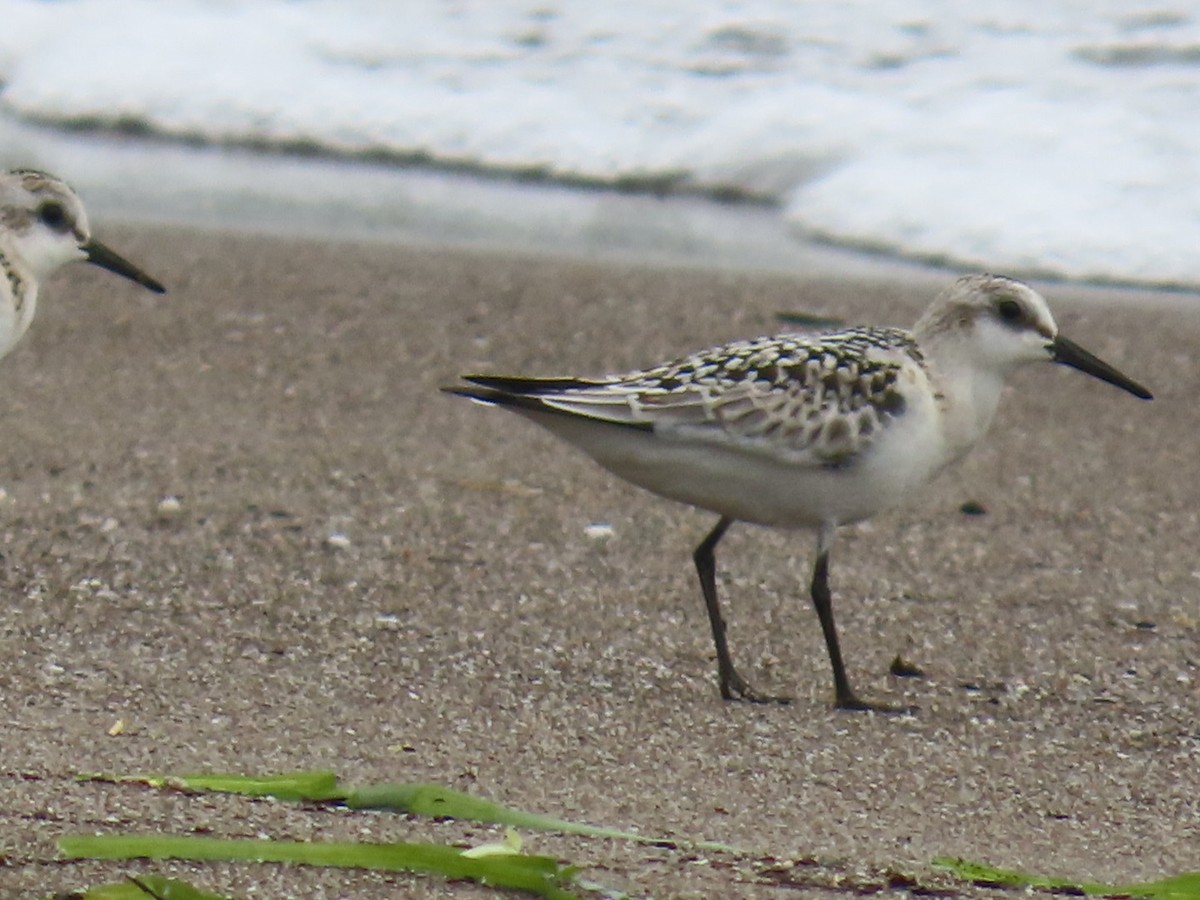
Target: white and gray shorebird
{"points": [[805, 430], [43, 226]]}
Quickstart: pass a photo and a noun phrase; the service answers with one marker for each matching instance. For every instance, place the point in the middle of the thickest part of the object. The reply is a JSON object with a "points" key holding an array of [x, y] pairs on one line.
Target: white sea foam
{"points": [[1026, 135]]}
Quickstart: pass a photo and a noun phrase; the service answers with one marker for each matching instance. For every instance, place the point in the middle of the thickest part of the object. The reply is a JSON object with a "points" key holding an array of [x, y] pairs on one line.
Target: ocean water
{"points": [[1046, 137]]}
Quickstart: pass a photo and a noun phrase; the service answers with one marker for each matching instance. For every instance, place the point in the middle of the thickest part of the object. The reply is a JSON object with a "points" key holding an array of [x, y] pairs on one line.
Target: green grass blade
{"points": [[1185, 886], [539, 875], [316, 786], [436, 801], [415, 799]]}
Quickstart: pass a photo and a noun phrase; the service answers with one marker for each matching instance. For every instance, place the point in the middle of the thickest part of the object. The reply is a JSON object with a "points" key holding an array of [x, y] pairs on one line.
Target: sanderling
{"points": [[805, 430], [43, 226]]}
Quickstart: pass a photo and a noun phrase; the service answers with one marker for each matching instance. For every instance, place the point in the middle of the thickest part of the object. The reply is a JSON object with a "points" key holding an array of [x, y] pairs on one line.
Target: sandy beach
{"points": [[366, 575]]}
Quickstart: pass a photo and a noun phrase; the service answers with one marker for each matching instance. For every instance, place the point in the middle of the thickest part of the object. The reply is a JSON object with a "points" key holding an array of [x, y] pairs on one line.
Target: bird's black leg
{"points": [[823, 601], [733, 686], [844, 696]]}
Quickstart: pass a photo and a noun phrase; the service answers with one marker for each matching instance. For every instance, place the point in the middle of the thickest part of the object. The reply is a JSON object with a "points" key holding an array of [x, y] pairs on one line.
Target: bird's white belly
{"points": [[750, 485]]}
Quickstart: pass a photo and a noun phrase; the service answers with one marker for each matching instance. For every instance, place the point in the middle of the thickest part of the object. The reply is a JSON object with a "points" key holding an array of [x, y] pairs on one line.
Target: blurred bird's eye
{"points": [[1009, 310], [52, 215]]}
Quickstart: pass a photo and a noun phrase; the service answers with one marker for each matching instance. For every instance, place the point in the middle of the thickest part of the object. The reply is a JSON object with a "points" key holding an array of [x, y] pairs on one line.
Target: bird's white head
{"points": [[43, 226], [998, 322], [995, 323]]}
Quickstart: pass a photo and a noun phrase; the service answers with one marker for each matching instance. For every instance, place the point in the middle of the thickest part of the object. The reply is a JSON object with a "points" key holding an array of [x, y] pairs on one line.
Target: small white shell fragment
{"points": [[598, 530], [169, 506], [337, 541]]}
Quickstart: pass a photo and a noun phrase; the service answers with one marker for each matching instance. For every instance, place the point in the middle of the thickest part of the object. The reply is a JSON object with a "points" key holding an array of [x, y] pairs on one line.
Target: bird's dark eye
{"points": [[1009, 310], [53, 215]]}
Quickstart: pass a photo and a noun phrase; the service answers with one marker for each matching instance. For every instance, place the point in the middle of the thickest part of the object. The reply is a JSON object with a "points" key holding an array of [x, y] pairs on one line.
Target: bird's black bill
{"points": [[1068, 353], [99, 255]]}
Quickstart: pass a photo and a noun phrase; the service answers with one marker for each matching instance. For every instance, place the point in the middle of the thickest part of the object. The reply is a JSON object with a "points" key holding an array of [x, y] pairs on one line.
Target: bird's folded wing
{"points": [[799, 426]]}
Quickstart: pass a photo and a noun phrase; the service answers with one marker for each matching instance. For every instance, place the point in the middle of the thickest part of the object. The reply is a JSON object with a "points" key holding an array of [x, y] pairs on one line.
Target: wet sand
{"points": [[466, 629]]}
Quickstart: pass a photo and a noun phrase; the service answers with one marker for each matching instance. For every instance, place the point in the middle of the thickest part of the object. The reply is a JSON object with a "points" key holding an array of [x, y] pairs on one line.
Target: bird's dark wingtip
{"points": [[517, 384], [493, 396], [471, 392], [459, 390]]}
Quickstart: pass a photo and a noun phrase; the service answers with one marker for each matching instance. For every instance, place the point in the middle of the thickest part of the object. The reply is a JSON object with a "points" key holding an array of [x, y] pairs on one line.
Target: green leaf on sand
{"points": [[1177, 887], [437, 801], [316, 786], [414, 799], [542, 876]]}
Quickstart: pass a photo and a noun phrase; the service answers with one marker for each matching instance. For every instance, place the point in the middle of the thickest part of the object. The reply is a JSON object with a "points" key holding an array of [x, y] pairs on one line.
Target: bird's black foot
{"points": [[735, 687]]}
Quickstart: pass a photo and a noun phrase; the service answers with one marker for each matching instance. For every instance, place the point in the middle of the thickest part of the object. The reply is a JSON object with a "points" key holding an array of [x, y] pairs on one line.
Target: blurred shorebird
{"points": [[805, 430], [43, 226]]}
